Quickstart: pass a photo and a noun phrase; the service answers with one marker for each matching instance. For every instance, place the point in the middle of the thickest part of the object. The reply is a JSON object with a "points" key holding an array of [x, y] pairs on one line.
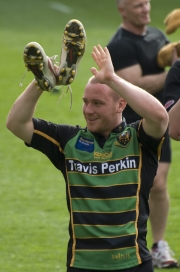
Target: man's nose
{"points": [[88, 108]]}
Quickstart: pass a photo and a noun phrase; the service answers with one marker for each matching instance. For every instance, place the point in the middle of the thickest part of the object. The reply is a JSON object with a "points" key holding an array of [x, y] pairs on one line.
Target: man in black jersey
{"points": [[172, 101], [108, 166], [133, 50]]}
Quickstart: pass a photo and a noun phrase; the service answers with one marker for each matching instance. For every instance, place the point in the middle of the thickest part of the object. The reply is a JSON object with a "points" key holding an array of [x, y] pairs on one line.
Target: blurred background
{"points": [[33, 213]]}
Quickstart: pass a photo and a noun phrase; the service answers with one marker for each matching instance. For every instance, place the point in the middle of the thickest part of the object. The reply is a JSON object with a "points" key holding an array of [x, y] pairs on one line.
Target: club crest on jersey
{"points": [[123, 139], [85, 144]]}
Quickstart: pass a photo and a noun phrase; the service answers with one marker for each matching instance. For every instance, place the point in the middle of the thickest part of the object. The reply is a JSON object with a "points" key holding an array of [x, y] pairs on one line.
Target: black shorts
{"points": [[144, 267], [166, 151]]}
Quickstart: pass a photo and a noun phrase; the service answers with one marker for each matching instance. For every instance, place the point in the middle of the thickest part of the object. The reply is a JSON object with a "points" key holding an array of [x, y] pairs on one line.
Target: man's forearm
{"points": [[152, 83], [143, 104], [19, 120]]}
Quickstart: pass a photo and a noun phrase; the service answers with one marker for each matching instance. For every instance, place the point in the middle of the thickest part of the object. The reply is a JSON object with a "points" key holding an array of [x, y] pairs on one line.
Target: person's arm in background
{"points": [[151, 83], [171, 100], [174, 121], [128, 64]]}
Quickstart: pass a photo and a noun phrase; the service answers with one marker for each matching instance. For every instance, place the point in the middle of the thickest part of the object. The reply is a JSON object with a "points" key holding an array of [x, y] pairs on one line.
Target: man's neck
{"points": [[135, 30]]}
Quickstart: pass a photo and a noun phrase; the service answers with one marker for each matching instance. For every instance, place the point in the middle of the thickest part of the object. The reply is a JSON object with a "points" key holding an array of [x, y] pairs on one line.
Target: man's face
{"points": [[136, 12], [101, 112]]}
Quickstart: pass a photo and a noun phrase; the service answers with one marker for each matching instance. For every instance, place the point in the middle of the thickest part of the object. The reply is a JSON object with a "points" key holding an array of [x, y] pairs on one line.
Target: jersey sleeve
{"points": [[152, 147], [50, 139], [122, 54], [172, 86]]}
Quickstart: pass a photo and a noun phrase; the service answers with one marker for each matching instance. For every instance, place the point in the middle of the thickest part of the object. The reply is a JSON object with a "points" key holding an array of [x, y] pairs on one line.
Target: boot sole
{"points": [[74, 40], [39, 64]]}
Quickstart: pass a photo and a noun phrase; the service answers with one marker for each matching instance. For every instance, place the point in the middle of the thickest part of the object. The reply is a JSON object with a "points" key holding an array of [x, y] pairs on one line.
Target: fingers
{"points": [[99, 52], [94, 71], [107, 52], [103, 60], [98, 55]]}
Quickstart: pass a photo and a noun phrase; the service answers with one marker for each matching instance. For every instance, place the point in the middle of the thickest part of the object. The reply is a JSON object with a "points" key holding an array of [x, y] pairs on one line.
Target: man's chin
{"points": [[148, 21], [92, 129]]}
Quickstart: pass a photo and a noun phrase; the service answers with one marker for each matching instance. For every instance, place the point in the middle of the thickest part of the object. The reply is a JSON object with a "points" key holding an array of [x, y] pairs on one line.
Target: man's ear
{"points": [[122, 104], [120, 9]]}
